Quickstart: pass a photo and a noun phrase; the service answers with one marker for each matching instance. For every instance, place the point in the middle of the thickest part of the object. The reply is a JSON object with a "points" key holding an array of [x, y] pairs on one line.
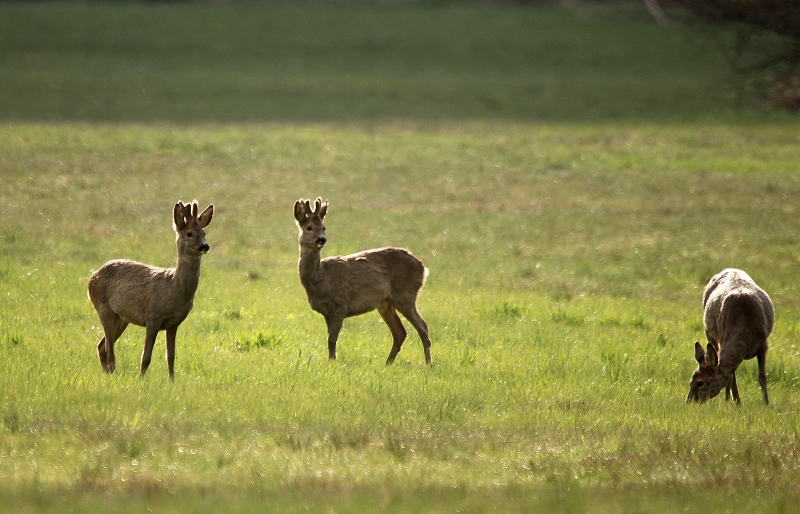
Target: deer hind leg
{"points": [[762, 372], [409, 310], [102, 354], [389, 315], [334, 324], [113, 327]]}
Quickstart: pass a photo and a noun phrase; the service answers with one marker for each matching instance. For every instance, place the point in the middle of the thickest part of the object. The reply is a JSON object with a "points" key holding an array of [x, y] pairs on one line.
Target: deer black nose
{"points": [[321, 241], [204, 248]]}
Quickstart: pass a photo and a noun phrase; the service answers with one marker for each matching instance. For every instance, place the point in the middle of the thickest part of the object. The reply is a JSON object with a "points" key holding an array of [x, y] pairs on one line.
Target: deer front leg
{"points": [[151, 331], [171, 351], [334, 326], [734, 389]]}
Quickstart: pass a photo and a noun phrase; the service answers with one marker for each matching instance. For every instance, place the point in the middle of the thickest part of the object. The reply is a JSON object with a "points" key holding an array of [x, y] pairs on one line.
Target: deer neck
{"points": [[187, 276], [310, 269]]}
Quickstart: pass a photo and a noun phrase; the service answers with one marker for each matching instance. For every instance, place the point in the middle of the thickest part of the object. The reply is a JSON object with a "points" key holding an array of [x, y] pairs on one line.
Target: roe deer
{"points": [[386, 279], [124, 291], [738, 317]]}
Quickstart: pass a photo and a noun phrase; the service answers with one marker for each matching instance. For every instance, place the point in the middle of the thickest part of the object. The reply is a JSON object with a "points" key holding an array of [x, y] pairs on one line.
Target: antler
{"points": [[189, 211], [303, 210], [320, 208], [184, 214]]}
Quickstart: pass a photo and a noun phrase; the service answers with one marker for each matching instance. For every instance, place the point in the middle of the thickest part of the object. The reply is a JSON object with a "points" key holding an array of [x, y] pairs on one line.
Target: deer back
{"points": [[130, 289], [733, 303], [359, 282]]}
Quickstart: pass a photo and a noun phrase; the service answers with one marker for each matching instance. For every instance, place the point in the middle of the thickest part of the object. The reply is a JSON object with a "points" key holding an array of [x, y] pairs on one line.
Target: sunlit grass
{"points": [[569, 229], [567, 264]]}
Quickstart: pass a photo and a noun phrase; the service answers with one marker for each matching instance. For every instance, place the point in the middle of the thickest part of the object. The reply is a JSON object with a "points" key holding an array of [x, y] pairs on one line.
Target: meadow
{"points": [[568, 233]]}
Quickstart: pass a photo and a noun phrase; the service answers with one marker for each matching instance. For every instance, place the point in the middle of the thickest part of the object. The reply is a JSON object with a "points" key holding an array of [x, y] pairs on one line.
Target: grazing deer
{"points": [[386, 279], [124, 291], [738, 317]]}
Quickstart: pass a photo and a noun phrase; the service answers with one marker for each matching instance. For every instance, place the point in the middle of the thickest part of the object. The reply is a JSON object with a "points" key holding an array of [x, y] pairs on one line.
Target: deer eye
{"points": [[309, 228], [190, 234], [699, 384]]}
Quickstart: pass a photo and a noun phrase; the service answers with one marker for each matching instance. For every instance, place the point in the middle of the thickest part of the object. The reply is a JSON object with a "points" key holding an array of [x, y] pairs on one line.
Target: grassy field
{"points": [[339, 61], [568, 249]]}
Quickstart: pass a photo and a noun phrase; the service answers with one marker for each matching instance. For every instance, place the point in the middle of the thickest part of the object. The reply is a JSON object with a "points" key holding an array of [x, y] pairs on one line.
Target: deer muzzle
{"points": [[204, 248], [321, 242]]}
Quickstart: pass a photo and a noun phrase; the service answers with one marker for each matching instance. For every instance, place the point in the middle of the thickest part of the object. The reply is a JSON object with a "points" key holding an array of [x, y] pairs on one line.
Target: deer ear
{"points": [[711, 356], [323, 210], [205, 218], [699, 353], [299, 211], [178, 221]]}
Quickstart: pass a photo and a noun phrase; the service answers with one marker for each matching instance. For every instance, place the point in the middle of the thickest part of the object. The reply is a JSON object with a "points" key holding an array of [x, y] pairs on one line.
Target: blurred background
{"points": [[404, 59]]}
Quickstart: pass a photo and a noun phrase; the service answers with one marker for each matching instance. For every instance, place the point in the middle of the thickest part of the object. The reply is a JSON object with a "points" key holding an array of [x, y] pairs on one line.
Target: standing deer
{"points": [[124, 291], [738, 317], [386, 279]]}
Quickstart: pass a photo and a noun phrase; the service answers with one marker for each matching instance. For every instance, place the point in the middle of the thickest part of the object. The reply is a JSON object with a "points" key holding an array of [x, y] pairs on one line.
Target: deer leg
{"points": [[729, 388], [411, 314], [102, 354], [334, 326], [151, 331], [734, 389], [389, 315], [113, 327], [171, 351], [715, 344], [761, 355]]}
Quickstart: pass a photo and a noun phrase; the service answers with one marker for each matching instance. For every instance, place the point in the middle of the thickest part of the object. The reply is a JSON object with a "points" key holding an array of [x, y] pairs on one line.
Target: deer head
{"points": [[190, 236], [312, 230], [699, 390]]}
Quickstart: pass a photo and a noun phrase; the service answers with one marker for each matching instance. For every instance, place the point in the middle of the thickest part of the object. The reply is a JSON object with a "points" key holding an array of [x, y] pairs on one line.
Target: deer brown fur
{"points": [[386, 279], [124, 291], [738, 318]]}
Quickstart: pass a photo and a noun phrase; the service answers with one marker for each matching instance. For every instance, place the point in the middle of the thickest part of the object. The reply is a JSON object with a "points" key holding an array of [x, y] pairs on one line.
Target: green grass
{"points": [[335, 61], [563, 302], [568, 249]]}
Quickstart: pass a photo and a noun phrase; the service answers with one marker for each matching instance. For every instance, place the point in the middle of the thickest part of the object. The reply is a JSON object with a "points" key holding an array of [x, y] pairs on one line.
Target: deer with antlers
{"points": [[738, 317], [386, 279], [124, 291]]}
